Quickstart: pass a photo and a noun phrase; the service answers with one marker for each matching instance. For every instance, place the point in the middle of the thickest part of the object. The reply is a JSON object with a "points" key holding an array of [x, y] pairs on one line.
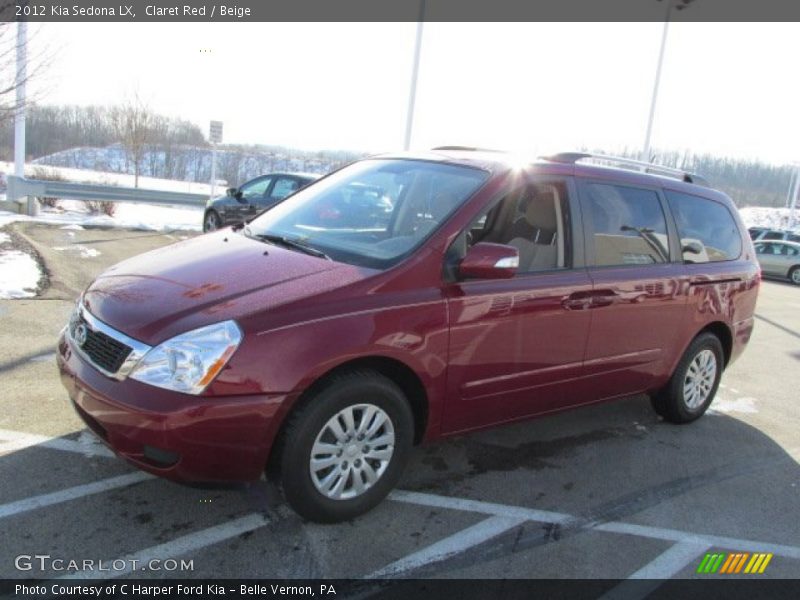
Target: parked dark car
{"points": [[758, 234], [495, 291], [244, 202]]}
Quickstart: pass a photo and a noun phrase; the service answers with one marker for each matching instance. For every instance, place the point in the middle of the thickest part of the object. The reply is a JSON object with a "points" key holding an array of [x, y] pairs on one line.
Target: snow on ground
{"points": [[72, 214], [110, 178], [763, 216], [83, 251], [128, 215], [19, 275]]}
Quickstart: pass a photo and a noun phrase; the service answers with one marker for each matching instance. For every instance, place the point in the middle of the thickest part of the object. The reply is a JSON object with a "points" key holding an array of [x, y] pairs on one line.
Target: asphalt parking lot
{"points": [[608, 491]]}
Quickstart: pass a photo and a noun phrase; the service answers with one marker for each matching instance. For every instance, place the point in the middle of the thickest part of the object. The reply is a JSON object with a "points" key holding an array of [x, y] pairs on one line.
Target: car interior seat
{"points": [[535, 233]]}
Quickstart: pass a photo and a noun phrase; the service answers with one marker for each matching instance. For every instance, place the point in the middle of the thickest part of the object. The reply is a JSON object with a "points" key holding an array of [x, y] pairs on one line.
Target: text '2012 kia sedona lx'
{"points": [[488, 291]]}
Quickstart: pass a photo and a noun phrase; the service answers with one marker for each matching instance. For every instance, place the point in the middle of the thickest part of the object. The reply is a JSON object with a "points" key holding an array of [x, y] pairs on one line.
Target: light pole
{"points": [[412, 92], [679, 5], [19, 115], [792, 200]]}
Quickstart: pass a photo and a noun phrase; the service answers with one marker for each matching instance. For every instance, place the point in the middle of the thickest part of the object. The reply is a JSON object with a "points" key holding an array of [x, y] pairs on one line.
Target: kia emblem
{"points": [[80, 334]]}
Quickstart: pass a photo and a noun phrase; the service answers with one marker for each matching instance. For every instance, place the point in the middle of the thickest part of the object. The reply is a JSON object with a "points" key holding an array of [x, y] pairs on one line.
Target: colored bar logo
{"points": [[734, 562]]}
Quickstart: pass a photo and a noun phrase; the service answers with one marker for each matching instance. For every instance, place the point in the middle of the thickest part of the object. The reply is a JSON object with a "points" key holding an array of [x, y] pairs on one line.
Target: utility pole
{"points": [[215, 137], [793, 198], [790, 191], [19, 115], [412, 92], [646, 147]]}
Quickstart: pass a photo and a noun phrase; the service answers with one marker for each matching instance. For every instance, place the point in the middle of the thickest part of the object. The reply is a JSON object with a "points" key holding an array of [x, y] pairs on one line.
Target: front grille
{"points": [[103, 350]]}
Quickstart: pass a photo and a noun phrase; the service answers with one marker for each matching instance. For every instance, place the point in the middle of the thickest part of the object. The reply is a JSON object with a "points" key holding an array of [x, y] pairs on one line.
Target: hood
{"points": [[208, 279]]}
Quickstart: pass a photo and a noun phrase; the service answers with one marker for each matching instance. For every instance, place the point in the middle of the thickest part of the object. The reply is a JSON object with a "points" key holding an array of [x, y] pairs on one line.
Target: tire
{"points": [[346, 482], [794, 275], [211, 221], [682, 400]]}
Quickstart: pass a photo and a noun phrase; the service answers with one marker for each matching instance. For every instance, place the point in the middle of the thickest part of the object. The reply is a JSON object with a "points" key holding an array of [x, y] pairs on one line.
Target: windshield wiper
{"points": [[287, 242]]}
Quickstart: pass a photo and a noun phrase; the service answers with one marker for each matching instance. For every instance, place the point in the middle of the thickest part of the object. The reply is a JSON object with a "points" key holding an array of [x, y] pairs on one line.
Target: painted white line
{"points": [[175, 548], [86, 444], [670, 562], [449, 546], [73, 493], [659, 533], [643, 582], [487, 508], [716, 541]]}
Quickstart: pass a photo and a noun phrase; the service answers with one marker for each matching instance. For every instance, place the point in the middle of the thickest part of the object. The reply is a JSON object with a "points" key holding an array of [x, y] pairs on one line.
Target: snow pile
{"points": [[763, 216], [110, 178], [72, 214], [83, 251], [186, 163], [19, 275]]}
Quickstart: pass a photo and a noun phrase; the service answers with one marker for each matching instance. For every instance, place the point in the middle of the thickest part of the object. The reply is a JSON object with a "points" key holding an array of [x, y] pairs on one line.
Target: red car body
{"points": [[468, 354]]}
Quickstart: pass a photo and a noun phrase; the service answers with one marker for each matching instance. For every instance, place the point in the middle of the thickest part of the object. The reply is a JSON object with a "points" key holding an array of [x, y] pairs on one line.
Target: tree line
{"points": [[132, 138], [747, 182]]}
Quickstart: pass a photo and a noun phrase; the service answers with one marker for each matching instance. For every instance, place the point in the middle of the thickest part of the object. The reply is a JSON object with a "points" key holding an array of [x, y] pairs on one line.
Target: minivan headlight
{"points": [[189, 361]]}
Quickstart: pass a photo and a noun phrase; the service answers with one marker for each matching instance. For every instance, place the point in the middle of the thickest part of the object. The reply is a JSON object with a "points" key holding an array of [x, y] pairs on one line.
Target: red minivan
{"points": [[320, 346]]}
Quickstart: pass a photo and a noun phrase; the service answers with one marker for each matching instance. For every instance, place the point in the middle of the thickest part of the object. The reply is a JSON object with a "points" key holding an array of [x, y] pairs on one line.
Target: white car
{"points": [[779, 259]]}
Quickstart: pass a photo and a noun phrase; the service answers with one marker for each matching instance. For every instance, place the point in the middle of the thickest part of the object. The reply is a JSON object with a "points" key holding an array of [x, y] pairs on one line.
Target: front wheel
{"points": [[694, 383], [345, 448], [211, 222]]}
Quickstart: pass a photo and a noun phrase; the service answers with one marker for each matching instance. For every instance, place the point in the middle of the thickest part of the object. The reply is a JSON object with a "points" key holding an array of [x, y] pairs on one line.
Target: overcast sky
{"points": [[728, 89]]}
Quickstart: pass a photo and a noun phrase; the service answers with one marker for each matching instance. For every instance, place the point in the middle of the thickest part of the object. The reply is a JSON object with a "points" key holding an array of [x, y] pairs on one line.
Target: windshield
{"points": [[371, 213]]}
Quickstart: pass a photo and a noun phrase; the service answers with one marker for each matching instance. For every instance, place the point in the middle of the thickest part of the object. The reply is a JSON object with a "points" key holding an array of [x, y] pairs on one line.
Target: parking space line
{"points": [[659, 533], [450, 546], [176, 548], [670, 562], [700, 538], [487, 508], [11, 441], [666, 565], [73, 493]]}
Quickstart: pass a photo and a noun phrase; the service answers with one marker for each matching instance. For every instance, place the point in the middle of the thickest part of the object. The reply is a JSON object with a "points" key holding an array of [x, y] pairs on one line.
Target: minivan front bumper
{"points": [[174, 435]]}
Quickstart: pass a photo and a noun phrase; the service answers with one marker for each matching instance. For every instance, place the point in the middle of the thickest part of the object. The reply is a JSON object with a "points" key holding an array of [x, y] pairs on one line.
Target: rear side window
{"points": [[707, 229], [628, 225], [283, 187]]}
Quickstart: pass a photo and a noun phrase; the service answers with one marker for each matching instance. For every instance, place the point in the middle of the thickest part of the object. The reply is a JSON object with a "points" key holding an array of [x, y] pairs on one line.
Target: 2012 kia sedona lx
{"points": [[324, 346]]}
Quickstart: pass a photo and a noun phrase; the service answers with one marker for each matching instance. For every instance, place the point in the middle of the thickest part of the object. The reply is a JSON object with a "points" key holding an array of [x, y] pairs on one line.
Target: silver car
{"points": [[779, 259]]}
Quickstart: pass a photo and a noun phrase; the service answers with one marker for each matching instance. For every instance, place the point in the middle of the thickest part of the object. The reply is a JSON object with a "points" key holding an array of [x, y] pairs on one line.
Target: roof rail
{"points": [[628, 163], [465, 148]]}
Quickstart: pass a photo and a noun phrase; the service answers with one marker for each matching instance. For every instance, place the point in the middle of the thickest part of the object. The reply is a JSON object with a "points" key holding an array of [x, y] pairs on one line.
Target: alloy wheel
{"points": [[352, 451], [700, 378]]}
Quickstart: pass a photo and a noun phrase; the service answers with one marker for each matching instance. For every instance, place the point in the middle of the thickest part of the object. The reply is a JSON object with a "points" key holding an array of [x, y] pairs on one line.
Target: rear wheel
{"points": [[694, 383], [211, 222], [794, 275], [345, 448]]}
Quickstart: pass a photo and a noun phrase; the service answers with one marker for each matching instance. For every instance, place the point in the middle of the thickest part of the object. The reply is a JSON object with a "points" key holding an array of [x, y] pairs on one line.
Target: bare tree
{"points": [[133, 123]]}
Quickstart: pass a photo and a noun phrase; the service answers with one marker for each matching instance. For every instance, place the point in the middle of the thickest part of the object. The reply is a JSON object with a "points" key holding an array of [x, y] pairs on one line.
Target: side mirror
{"points": [[489, 261], [693, 247], [231, 191]]}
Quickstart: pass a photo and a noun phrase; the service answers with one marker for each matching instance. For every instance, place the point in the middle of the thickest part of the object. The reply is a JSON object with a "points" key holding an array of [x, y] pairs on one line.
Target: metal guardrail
{"points": [[20, 189]]}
